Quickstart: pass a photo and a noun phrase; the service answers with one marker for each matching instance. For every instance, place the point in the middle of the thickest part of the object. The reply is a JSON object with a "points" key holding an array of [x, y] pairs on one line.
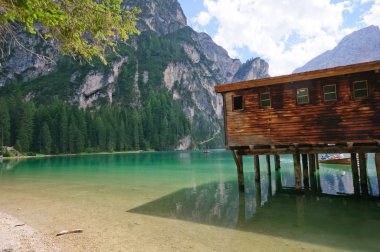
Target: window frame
{"points": [[354, 91], [326, 93], [308, 96], [233, 102], [269, 99]]}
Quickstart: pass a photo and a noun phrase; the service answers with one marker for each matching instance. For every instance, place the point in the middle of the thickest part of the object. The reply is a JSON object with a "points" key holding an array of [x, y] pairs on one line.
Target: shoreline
{"points": [[71, 154], [15, 235]]}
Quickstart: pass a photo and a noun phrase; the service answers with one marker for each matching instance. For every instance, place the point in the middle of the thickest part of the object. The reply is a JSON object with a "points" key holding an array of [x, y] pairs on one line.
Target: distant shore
{"points": [[71, 154]]}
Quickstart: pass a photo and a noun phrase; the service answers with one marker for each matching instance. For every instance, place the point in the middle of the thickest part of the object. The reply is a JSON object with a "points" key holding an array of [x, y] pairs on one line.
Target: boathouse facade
{"points": [[324, 111]]}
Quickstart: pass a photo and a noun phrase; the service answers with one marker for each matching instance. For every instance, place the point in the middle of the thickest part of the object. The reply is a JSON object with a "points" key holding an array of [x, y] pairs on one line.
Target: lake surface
{"points": [[189, 201]]}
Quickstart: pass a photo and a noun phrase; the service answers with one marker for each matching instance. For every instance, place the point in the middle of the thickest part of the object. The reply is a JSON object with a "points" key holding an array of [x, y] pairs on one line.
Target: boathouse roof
{"points": [[317, 74]]}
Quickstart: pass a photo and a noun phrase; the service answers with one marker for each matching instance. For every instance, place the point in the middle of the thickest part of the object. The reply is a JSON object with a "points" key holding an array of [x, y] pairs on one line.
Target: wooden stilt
{"points": [[277, 162], [313, 183], [278, 181], [297, 171], [355, 173], [317, 161], [319, 185], [268, 165], [305, 170], [312, 163], [239, 165], [257, 167], [270, 192], [363, 173], [241, 217], [300, 211], [258, 194], [377, 162]]}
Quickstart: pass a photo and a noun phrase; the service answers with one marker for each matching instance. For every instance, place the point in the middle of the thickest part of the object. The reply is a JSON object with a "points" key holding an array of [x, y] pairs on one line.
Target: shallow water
{"points": [[189, 201]]}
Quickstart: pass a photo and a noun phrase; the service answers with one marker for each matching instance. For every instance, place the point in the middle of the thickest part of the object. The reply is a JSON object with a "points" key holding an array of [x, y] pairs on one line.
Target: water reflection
{"points": [[269, 208]]}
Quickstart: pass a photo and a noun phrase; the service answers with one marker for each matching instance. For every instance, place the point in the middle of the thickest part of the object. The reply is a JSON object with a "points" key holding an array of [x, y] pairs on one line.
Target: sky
{"points": [[285, 33]]}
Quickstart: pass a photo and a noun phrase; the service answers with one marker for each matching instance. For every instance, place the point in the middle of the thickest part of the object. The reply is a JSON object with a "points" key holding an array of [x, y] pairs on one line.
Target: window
{"points": [[329, 92], [265, 100], [360, 89], [302, 96], [237, 102]]}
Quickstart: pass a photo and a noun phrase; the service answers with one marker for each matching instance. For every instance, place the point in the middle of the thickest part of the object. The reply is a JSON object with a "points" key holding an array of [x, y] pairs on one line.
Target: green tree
{"points": [[83, 28], [25, 129], [5, 123], [45, 139]]}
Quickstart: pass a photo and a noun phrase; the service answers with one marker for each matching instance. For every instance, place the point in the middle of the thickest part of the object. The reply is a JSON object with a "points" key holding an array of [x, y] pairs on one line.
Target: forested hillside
{"points": [[155, 93], [62, 128]]}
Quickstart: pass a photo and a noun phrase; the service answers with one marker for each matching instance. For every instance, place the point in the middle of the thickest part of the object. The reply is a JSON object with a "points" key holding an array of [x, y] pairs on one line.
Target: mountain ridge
{"points": [[358, 47], [168, 57]]}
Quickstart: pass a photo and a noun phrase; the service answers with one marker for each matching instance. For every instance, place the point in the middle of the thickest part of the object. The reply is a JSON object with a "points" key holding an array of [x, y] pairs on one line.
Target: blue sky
{"points": [[286, 33]]}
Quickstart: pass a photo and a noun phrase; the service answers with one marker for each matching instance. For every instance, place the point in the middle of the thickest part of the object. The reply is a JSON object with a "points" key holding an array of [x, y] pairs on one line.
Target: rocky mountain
{"points": [[360, 46], [168, 57]]}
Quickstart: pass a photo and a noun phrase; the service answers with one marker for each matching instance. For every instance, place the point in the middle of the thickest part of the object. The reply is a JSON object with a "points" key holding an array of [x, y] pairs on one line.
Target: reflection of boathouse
{"points": [[332, 110]]}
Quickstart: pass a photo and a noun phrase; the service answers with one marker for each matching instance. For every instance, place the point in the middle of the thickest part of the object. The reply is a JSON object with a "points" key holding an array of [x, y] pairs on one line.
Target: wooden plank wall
{"points": [[344, 120]]}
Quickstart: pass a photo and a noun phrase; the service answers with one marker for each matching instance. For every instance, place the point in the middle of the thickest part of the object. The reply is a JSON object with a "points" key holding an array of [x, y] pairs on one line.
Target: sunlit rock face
{"points": [[189, 77], [358, 47]]}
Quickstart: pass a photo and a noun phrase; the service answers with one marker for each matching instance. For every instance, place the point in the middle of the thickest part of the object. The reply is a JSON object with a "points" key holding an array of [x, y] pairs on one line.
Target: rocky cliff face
{"points": [[161, 16], [360, 46], [252, 69], [168, 55]]}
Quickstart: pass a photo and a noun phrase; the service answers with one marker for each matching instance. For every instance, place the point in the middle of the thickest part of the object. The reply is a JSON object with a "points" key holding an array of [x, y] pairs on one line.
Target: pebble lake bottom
{"points": [[188, 201]]}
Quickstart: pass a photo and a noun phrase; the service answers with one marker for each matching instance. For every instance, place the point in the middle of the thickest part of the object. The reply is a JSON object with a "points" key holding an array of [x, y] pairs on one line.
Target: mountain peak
{"points": [[161, 16], [358, 47]]}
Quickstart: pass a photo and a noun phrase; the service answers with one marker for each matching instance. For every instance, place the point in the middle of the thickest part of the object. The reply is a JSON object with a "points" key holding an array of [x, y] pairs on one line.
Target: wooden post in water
{"points": [[277, 162], [239, 166], [257, 167], [355, 173], [377, 162], [278, 181], [305, 170], [317, 161], [312, 164], [297, 171], [268, 165], [258, 194], [363, 173]]}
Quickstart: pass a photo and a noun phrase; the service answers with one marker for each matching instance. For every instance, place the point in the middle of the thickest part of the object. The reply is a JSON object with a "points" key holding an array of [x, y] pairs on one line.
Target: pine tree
{"points": [[45, 139]]}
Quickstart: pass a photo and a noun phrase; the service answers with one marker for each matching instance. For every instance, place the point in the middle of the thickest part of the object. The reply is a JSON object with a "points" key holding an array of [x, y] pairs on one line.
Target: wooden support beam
{"points": [[363, 173], [268, 165], [317, 161], [239, 166], [270, 192], [277, 162], [278, 181], [241, 217], [257, 167], [355, 173], [258, 194], [310, 149], [312, 163], [377, 162], [313, 183], [297, 171], [305, 170], [319, 185]]}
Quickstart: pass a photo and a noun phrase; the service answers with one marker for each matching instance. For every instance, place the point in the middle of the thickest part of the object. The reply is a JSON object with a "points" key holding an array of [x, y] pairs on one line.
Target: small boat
{"points": [[335, 159], [206, 151]]}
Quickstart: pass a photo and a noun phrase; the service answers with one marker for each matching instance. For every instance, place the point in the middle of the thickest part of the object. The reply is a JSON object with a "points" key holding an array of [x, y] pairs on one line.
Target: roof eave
{"points": [[311, 75]]}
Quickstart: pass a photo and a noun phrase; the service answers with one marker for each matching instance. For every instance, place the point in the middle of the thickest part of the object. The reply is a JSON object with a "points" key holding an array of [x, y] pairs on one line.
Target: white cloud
{"points": [[202, 19], [372, 17], [287, 33]]}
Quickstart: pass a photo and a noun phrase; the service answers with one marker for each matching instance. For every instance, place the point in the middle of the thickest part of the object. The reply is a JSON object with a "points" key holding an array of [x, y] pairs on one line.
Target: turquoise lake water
{"points": [[197, 188]]}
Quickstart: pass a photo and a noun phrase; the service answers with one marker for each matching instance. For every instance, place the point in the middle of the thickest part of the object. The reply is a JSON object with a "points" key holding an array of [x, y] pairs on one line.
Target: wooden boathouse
{"points": [[335, 110]]}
